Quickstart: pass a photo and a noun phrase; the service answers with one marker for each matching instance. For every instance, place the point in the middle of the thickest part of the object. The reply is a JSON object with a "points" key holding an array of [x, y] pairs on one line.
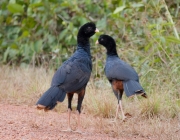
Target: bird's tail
{"points": [[49, 99], [132, 87]]}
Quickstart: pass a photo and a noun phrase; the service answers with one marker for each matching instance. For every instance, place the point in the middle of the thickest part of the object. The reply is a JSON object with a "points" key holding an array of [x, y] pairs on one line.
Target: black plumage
{"points": [[72, 76], [120, 74]]}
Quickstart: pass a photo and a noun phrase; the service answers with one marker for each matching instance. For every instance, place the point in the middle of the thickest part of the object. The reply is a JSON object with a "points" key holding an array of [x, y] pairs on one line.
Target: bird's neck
{"points": [[83, 44], [83, 41], [111, 51]]}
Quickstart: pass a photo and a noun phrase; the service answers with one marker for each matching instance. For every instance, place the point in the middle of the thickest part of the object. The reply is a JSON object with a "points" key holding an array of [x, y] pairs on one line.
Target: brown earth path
{"points": [[27, 123]]}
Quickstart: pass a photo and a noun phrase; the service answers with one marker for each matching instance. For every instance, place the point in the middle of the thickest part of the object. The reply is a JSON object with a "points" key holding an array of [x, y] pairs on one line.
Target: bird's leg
{"points": [[79, 122], [117, 109], [69, 115], [80, 99], [120, 104], [120, 93], [117, 86], [70, 96]]}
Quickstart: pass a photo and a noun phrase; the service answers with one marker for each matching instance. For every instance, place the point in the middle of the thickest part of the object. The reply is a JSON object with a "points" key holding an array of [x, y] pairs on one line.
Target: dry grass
{"points": [[157, 117]]}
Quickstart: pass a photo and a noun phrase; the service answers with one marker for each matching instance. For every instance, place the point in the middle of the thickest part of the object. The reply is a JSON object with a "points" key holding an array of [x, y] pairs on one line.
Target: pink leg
{"points": [[120, 105], [117, 110], [69, 127], [79, 123]]}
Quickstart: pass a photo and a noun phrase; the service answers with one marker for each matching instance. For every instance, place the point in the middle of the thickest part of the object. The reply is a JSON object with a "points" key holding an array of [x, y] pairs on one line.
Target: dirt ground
{"points": [[27, 123]]}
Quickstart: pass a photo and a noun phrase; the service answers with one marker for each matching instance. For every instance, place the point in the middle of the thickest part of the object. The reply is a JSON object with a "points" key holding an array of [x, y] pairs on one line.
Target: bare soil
{"points": [[27, 123]]}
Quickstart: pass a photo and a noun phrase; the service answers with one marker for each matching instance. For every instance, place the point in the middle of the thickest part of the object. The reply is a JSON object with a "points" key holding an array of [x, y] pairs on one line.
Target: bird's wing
{"points": [[120, 70], [73, 74]]}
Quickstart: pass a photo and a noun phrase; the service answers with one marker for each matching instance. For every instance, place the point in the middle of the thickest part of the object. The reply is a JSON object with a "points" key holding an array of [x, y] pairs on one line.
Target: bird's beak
{"points": [[96, 30], [97, 42]]}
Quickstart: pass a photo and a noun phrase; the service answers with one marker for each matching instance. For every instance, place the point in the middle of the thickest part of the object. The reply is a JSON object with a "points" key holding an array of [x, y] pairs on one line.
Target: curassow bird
{"points": [[72, 76], [120, 74]]}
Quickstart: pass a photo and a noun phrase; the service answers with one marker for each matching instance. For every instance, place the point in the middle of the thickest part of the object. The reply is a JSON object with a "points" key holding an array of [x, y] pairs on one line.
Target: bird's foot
{"points": [[78, 131], [67, 130], [124, 118], [113, 120]]}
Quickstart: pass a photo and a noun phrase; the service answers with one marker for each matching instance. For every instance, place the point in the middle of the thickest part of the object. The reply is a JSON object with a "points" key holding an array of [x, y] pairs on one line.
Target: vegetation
{"points": [[42, 34]]}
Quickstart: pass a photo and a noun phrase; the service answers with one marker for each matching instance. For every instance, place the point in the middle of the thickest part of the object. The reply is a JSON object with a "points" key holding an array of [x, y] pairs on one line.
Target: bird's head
{"points": [[108, 42], [88, 30]]}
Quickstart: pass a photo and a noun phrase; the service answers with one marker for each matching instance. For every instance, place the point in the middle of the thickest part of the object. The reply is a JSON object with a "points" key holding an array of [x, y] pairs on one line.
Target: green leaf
{"points": [[65, 4], [37, 46], [14, 46], [1, 19], [136, 5], [148, 46], [25, 34], [119, 9], [15, 8], [6, 55], [101, 24], [173, 39], [35, 5], [63, 34], [163, 40]]}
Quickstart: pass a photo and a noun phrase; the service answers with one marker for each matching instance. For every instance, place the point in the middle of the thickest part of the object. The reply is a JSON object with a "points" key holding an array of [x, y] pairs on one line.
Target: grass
{"points": [[157, 117]]}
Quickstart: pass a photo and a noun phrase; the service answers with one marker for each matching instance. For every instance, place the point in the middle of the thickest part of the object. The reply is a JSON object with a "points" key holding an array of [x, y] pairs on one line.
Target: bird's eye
{"points": [[102, 39], [89, 28]]}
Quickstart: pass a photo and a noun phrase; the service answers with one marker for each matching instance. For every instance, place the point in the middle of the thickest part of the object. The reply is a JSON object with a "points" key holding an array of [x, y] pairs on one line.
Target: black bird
{"points": [[72, 76], [120, 74]]}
